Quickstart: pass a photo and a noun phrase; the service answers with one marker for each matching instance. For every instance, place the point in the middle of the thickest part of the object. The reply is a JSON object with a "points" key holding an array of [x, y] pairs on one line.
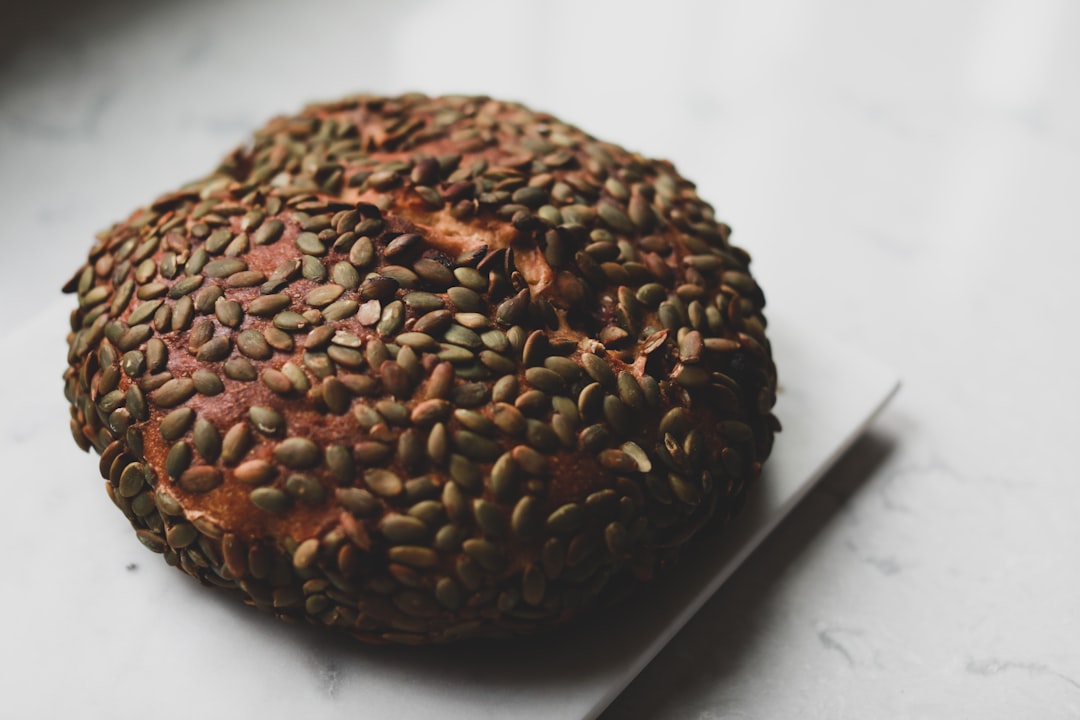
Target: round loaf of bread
{"points": [[419, 369]]}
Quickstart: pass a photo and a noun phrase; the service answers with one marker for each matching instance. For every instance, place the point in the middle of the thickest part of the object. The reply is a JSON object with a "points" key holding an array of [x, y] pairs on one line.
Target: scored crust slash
{"points": [[420, 369]]}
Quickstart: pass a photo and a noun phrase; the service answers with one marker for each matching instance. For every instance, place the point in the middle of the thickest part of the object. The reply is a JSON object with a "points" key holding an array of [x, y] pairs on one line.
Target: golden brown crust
{"points": [[423, 368]]}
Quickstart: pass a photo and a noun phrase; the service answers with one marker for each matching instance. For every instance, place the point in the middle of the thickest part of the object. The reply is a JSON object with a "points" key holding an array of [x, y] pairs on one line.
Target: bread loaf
{"points": [[418, 369]]}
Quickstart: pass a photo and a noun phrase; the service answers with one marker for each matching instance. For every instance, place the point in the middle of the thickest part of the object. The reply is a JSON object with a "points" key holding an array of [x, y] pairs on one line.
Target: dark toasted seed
{"points": [[268, 232], [277, 381], [513, 311], [358, 501], [176, 423], [266, 421], [236, 444], [305, 488], [298, 453], [401, 244], [383, 482], [255, 472], [269, 499], [200, 479], [404, 530], [173, 392], [598, 369], [566, 520], [437, 445]]}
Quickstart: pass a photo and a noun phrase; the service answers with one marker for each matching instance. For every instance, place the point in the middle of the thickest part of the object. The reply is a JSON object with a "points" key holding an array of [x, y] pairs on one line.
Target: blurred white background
{"points": [[907, 178]]}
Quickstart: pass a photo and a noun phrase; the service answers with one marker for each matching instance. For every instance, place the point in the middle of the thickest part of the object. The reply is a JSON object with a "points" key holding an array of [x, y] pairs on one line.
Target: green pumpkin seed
{"points": [[305, 488], [199, 479], [383, 482], [269, 499], [174, 425], [266, 421], [298, 453], [236, 444]]}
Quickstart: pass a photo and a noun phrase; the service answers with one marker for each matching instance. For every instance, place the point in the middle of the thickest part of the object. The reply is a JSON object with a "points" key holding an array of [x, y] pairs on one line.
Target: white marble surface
{"points": [[907, 178]]}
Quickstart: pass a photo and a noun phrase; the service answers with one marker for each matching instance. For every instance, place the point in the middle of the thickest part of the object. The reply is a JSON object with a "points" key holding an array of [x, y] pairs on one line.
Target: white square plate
{"points": [[95, 625]]}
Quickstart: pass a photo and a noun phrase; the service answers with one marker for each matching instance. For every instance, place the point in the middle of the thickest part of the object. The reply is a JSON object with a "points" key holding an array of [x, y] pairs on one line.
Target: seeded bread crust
{"points": [[421, 369]]}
